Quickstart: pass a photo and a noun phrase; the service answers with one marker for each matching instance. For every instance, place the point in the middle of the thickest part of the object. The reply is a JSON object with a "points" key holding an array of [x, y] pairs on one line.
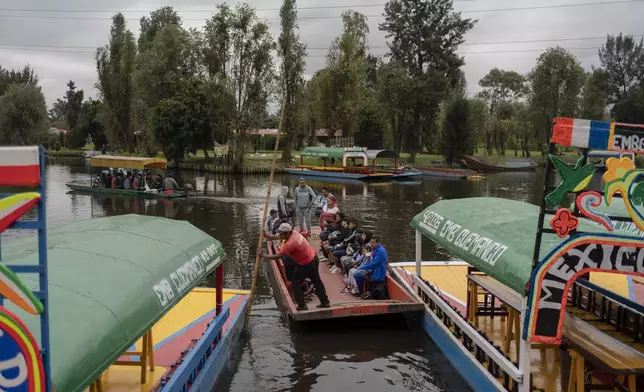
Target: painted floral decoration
{"points": [[564, 222], [617, 168]]}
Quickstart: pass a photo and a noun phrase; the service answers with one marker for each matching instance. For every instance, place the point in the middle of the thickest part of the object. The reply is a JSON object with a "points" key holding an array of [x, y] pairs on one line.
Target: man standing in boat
{"points": [[306, 265], [304, 197]]}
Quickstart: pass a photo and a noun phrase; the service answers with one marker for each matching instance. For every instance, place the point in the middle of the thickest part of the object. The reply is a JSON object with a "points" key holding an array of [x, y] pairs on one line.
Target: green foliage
{"points": [[90, 125], [457, 131], [115, 67], [237, 52], [428, 52], [556, 82], [594, 95], [76, 139], [292, 54], [630, 109], [151, 26], [24, 76], [346, 73], [73, 104], [623, 59], [394, 86], [23, 115], [371, 124]]}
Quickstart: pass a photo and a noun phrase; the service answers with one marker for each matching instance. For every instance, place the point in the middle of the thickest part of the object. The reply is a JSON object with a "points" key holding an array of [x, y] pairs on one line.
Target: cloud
{"points": [[55, 67]]}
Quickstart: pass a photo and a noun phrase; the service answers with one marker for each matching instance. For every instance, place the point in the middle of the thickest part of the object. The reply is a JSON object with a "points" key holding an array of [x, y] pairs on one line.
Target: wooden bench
{"points": [[586, 342]]}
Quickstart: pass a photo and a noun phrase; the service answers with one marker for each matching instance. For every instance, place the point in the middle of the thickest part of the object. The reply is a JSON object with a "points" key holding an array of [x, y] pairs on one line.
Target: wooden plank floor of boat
{"points": [[343, 304]]}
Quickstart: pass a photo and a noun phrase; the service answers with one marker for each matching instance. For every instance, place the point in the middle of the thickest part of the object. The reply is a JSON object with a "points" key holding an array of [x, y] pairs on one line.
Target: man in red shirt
{"points": [[306, 265]]}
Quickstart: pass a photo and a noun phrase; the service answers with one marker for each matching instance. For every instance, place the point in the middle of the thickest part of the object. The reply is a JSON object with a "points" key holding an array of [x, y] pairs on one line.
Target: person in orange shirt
{"points": [[306, 265]]}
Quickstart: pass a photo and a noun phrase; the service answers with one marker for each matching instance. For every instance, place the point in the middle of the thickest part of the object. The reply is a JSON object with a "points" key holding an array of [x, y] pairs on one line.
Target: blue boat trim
{"points": [[203, 372], [470, 369]]}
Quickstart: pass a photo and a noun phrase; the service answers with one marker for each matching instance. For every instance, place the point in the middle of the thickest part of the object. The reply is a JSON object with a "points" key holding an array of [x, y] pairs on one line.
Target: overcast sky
{"points": [[23, 32]]}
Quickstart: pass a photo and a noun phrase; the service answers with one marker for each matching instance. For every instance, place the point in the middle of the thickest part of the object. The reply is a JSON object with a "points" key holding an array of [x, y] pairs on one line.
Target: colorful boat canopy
{"points": [[14, 206], [329, 152], [128, 162], [598, 135], [20, 166], [494, 235], [110, 280]]}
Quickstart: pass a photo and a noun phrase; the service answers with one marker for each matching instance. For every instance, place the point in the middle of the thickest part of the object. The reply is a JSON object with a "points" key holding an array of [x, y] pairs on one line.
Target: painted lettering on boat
{"points": [[560, 269], [628, 138], [185, 276], [431, 221], [629, 227], [479, 246]]}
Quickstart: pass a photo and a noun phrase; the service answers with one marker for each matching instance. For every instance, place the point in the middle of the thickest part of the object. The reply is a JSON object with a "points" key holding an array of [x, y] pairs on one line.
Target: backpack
{"points": [[290, 207]]}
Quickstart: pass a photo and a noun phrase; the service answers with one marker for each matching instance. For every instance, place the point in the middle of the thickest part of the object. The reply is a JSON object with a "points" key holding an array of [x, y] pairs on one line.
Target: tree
{"points": [[89, 123], [23, 115], [158, 20], [292, 54], [480, 115], [24, 76], [346, 63], [237, 51], [58, 114], [500, 87], [394, 87], [457, 131], [623, 59], [556, 82], [181, 120], [115, 66], [371, 124], [630, 109], [426, 35], [73, 104], [594, 95]]}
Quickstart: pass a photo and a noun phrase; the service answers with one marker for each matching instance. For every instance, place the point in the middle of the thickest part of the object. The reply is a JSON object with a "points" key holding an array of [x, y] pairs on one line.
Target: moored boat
{"points": [[343, 305], [542, 301], [130, 163], [114, 301], [357, 171], [449, 173], [508, 166]]}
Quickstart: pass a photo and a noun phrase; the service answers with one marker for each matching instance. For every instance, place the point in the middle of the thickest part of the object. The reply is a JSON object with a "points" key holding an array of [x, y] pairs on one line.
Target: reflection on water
{"points": [[278, 356]]}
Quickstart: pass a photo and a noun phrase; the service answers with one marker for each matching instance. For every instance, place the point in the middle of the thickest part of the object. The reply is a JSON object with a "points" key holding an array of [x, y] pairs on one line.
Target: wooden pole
{"points": [[261, 224]]}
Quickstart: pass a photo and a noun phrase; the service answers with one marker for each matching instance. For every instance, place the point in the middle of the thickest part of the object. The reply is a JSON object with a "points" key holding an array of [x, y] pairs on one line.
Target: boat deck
{"points": [[342, 304], [545, 363], [172, 335]]}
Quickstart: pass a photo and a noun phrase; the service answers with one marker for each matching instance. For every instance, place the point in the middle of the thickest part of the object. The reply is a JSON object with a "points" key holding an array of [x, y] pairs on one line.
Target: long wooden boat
{"points": [[342, 304], [543, 298], [132, 163], [86, 187], [449, 173], [114, 301], [509, 165], [357, 171]]}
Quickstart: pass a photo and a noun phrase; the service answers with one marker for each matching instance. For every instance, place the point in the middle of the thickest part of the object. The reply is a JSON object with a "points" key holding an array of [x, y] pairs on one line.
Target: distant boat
{"points": [[509, 165]]}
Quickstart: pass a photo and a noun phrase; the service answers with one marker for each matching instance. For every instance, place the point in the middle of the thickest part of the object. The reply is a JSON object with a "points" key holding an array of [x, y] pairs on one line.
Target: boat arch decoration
{"points": [[578, 255]]}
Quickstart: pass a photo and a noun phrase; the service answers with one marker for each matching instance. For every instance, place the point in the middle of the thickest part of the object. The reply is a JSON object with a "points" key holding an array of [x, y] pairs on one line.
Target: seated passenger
{"points": [[360, 259], [169, 185], [127, 183], [136, 185], [370, 277]]}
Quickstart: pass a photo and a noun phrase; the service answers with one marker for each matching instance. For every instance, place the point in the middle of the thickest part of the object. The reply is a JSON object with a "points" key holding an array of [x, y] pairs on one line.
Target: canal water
{"points": [[353, 355]]}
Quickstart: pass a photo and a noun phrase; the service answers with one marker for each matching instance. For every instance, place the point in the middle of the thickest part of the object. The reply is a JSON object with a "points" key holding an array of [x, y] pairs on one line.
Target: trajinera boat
{"points": [[401, 300], [108, 304], [353, 170], [131, 163], [542, 298], [509, 165]]}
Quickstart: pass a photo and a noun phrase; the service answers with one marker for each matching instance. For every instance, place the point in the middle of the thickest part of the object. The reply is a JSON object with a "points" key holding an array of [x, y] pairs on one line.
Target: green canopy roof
{"points": [[110, 280], [492, 234], [327, 152]]}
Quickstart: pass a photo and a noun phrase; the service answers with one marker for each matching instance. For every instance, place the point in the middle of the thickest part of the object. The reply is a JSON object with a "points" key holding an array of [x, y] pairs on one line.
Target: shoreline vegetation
{"points": [[259, 162]]}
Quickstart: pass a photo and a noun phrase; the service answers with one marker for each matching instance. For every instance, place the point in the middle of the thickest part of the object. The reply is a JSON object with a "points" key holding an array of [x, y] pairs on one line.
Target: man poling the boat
{"points": [[306, 265]]}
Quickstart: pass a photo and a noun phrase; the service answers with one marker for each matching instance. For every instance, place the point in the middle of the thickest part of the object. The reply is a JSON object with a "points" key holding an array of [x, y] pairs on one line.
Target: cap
{"points": [[285, 228]]}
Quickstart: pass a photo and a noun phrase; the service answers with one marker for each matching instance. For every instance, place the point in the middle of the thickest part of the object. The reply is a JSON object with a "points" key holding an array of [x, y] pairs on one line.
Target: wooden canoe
{"points": [[510, 165], [342, 304]]}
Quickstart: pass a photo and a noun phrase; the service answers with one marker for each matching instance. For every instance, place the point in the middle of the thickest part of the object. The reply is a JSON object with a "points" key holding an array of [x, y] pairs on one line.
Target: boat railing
{"points": [[190, 366], [488, 355]]}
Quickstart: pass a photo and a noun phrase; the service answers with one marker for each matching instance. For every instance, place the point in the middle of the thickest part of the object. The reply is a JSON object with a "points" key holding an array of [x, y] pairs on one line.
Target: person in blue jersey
{"points": [[373, 273]]}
